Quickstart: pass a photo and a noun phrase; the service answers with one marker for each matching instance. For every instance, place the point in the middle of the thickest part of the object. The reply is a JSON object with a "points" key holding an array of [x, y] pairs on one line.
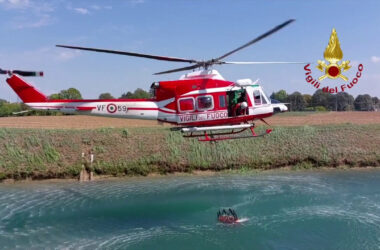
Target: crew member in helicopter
{"points": [[241, 107]]}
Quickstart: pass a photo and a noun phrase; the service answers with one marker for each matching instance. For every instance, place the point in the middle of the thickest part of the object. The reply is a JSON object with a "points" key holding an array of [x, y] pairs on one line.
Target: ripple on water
{"points": [[289, 210]]}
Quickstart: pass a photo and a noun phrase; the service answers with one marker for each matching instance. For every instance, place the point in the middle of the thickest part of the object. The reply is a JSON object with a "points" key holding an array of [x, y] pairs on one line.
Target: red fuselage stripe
{"points": [[85, 108], [105, 100]]}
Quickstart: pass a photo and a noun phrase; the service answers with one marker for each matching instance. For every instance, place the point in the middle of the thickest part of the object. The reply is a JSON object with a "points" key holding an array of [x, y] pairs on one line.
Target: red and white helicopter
{"points": [[201, 103]]}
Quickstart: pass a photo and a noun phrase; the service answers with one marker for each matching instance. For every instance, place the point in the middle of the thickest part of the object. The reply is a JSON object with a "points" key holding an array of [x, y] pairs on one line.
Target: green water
{"points": [[286, 210]]}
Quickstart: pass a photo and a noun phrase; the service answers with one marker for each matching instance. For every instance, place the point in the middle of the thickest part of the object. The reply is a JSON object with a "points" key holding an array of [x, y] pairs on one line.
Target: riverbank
{"points": [[52, 153], [195, 174]]}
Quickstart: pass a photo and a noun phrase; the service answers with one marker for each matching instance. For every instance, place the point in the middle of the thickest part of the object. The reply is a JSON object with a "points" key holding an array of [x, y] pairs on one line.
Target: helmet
{"points": [[244, 105]]}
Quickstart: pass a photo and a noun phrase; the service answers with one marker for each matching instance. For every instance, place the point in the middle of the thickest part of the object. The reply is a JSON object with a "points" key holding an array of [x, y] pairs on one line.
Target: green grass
{"points": [[39, 153]]}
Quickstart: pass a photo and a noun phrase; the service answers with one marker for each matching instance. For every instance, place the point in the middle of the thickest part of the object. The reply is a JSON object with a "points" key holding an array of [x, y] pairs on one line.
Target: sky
{"points": [[196, 29]]}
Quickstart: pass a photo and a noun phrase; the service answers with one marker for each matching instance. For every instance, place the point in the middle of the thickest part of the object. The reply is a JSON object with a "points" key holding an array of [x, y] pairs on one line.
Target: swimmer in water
{"points": [[229, 216]]}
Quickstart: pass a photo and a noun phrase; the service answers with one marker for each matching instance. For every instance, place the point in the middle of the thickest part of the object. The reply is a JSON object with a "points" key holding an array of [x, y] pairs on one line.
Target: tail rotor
{"points": [[21, 72]]}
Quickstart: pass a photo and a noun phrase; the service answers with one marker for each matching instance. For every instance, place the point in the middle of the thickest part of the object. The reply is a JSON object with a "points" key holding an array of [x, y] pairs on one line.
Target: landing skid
{"points": [[202, 132]]}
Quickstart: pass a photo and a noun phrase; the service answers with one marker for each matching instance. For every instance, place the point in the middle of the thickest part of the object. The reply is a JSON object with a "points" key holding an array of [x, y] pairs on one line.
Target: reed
{"points": [[52, 153]]}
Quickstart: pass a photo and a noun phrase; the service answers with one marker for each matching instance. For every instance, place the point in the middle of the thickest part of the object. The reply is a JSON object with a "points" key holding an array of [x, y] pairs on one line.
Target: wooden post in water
{"points": [[85, 174], [91, 176]]}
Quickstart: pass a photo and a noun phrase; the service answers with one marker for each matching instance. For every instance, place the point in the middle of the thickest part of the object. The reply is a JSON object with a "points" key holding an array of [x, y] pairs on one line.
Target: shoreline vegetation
{"points": [[195, 173], [37, 154]]}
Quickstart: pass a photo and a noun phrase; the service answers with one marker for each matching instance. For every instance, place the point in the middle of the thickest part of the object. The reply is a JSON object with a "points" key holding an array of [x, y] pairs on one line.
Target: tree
{"points": [[280, 95], [106, 96], [376, 103], [71, 94], [321, 98], [55, 97], [138, 94], [7, 109], [344, 101], [128, 95], [307, 99], [297, 103], [363, 103], [2, 101]]}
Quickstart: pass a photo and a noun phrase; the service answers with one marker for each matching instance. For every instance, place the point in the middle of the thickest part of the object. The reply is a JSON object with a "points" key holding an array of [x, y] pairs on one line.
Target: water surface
{"points": [[286, 210]]}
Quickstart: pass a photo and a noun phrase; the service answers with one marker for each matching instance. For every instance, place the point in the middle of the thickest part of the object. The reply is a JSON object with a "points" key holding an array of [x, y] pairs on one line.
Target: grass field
{"points": [[353, 140], [92, 122]]}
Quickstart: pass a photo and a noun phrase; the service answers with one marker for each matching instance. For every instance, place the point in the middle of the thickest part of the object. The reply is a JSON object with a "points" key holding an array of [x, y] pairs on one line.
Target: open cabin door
{"points": [[235, 98]]}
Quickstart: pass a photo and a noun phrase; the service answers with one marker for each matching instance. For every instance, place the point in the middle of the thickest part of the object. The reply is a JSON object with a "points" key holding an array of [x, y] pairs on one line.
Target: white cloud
{"points": [[375, 59], [41, 56], [29, 13], [44, 20], [67, 55], [95, 7], [135, 2], [82, 11], [98, 7], [15, 4]]}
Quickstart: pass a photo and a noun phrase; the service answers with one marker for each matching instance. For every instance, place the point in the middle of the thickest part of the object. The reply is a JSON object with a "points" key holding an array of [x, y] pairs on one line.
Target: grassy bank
{"points": [[44, 153]]}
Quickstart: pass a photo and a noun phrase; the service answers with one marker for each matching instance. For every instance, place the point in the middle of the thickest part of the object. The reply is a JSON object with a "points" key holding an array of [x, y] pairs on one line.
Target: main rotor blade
{"points": [[242, 63], [268, 33], [179, 69], [162, 58]]}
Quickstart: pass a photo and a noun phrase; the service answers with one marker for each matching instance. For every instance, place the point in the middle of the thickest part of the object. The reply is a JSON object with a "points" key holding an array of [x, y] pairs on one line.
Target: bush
{"points": [[309, 109], [124, 133], [320, 108]]}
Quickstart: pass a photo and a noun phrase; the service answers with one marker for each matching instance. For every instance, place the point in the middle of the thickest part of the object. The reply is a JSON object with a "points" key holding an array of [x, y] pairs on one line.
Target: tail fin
{"points": [[25, 91]]}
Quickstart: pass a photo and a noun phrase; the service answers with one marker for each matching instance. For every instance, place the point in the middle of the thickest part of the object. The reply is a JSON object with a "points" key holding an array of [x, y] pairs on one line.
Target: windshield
{"points": [[264, 95]]}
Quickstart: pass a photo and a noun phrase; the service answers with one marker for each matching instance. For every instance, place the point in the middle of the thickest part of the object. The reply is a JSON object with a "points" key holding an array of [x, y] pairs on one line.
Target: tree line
{"points": [[8, 108], [323, 101], [319, 101], [74, 94]]}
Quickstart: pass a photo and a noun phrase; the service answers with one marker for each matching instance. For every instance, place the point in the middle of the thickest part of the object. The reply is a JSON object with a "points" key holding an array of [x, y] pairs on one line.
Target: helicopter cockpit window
{"points": [[205, 102], [186, 104], [257, 97]]}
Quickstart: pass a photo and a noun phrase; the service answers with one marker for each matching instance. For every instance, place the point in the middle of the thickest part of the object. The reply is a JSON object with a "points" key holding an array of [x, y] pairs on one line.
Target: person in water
{"points": [[229, 216], [233, 213]]}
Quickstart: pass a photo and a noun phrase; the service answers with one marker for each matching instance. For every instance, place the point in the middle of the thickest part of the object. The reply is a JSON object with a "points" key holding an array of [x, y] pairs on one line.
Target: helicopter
{"points": [[202, 104]]}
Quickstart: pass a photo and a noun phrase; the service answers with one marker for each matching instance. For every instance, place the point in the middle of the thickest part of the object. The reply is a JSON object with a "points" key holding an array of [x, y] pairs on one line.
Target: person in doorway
{"points": [[241, 107]]}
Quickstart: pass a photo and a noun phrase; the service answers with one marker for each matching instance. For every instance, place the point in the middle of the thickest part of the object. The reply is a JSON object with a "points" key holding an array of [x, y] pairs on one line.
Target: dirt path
{"points": [[73, 122], [296, 119], [91, 122]]}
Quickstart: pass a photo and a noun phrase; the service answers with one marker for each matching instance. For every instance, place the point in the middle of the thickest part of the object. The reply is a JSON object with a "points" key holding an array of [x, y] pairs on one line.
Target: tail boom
{"points": [[132, 109], [25, 91], [124, 108]]}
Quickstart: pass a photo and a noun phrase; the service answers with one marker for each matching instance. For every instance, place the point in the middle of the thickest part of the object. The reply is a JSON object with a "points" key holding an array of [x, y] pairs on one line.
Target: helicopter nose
{"points": [[279, 107], [283, 108]]}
